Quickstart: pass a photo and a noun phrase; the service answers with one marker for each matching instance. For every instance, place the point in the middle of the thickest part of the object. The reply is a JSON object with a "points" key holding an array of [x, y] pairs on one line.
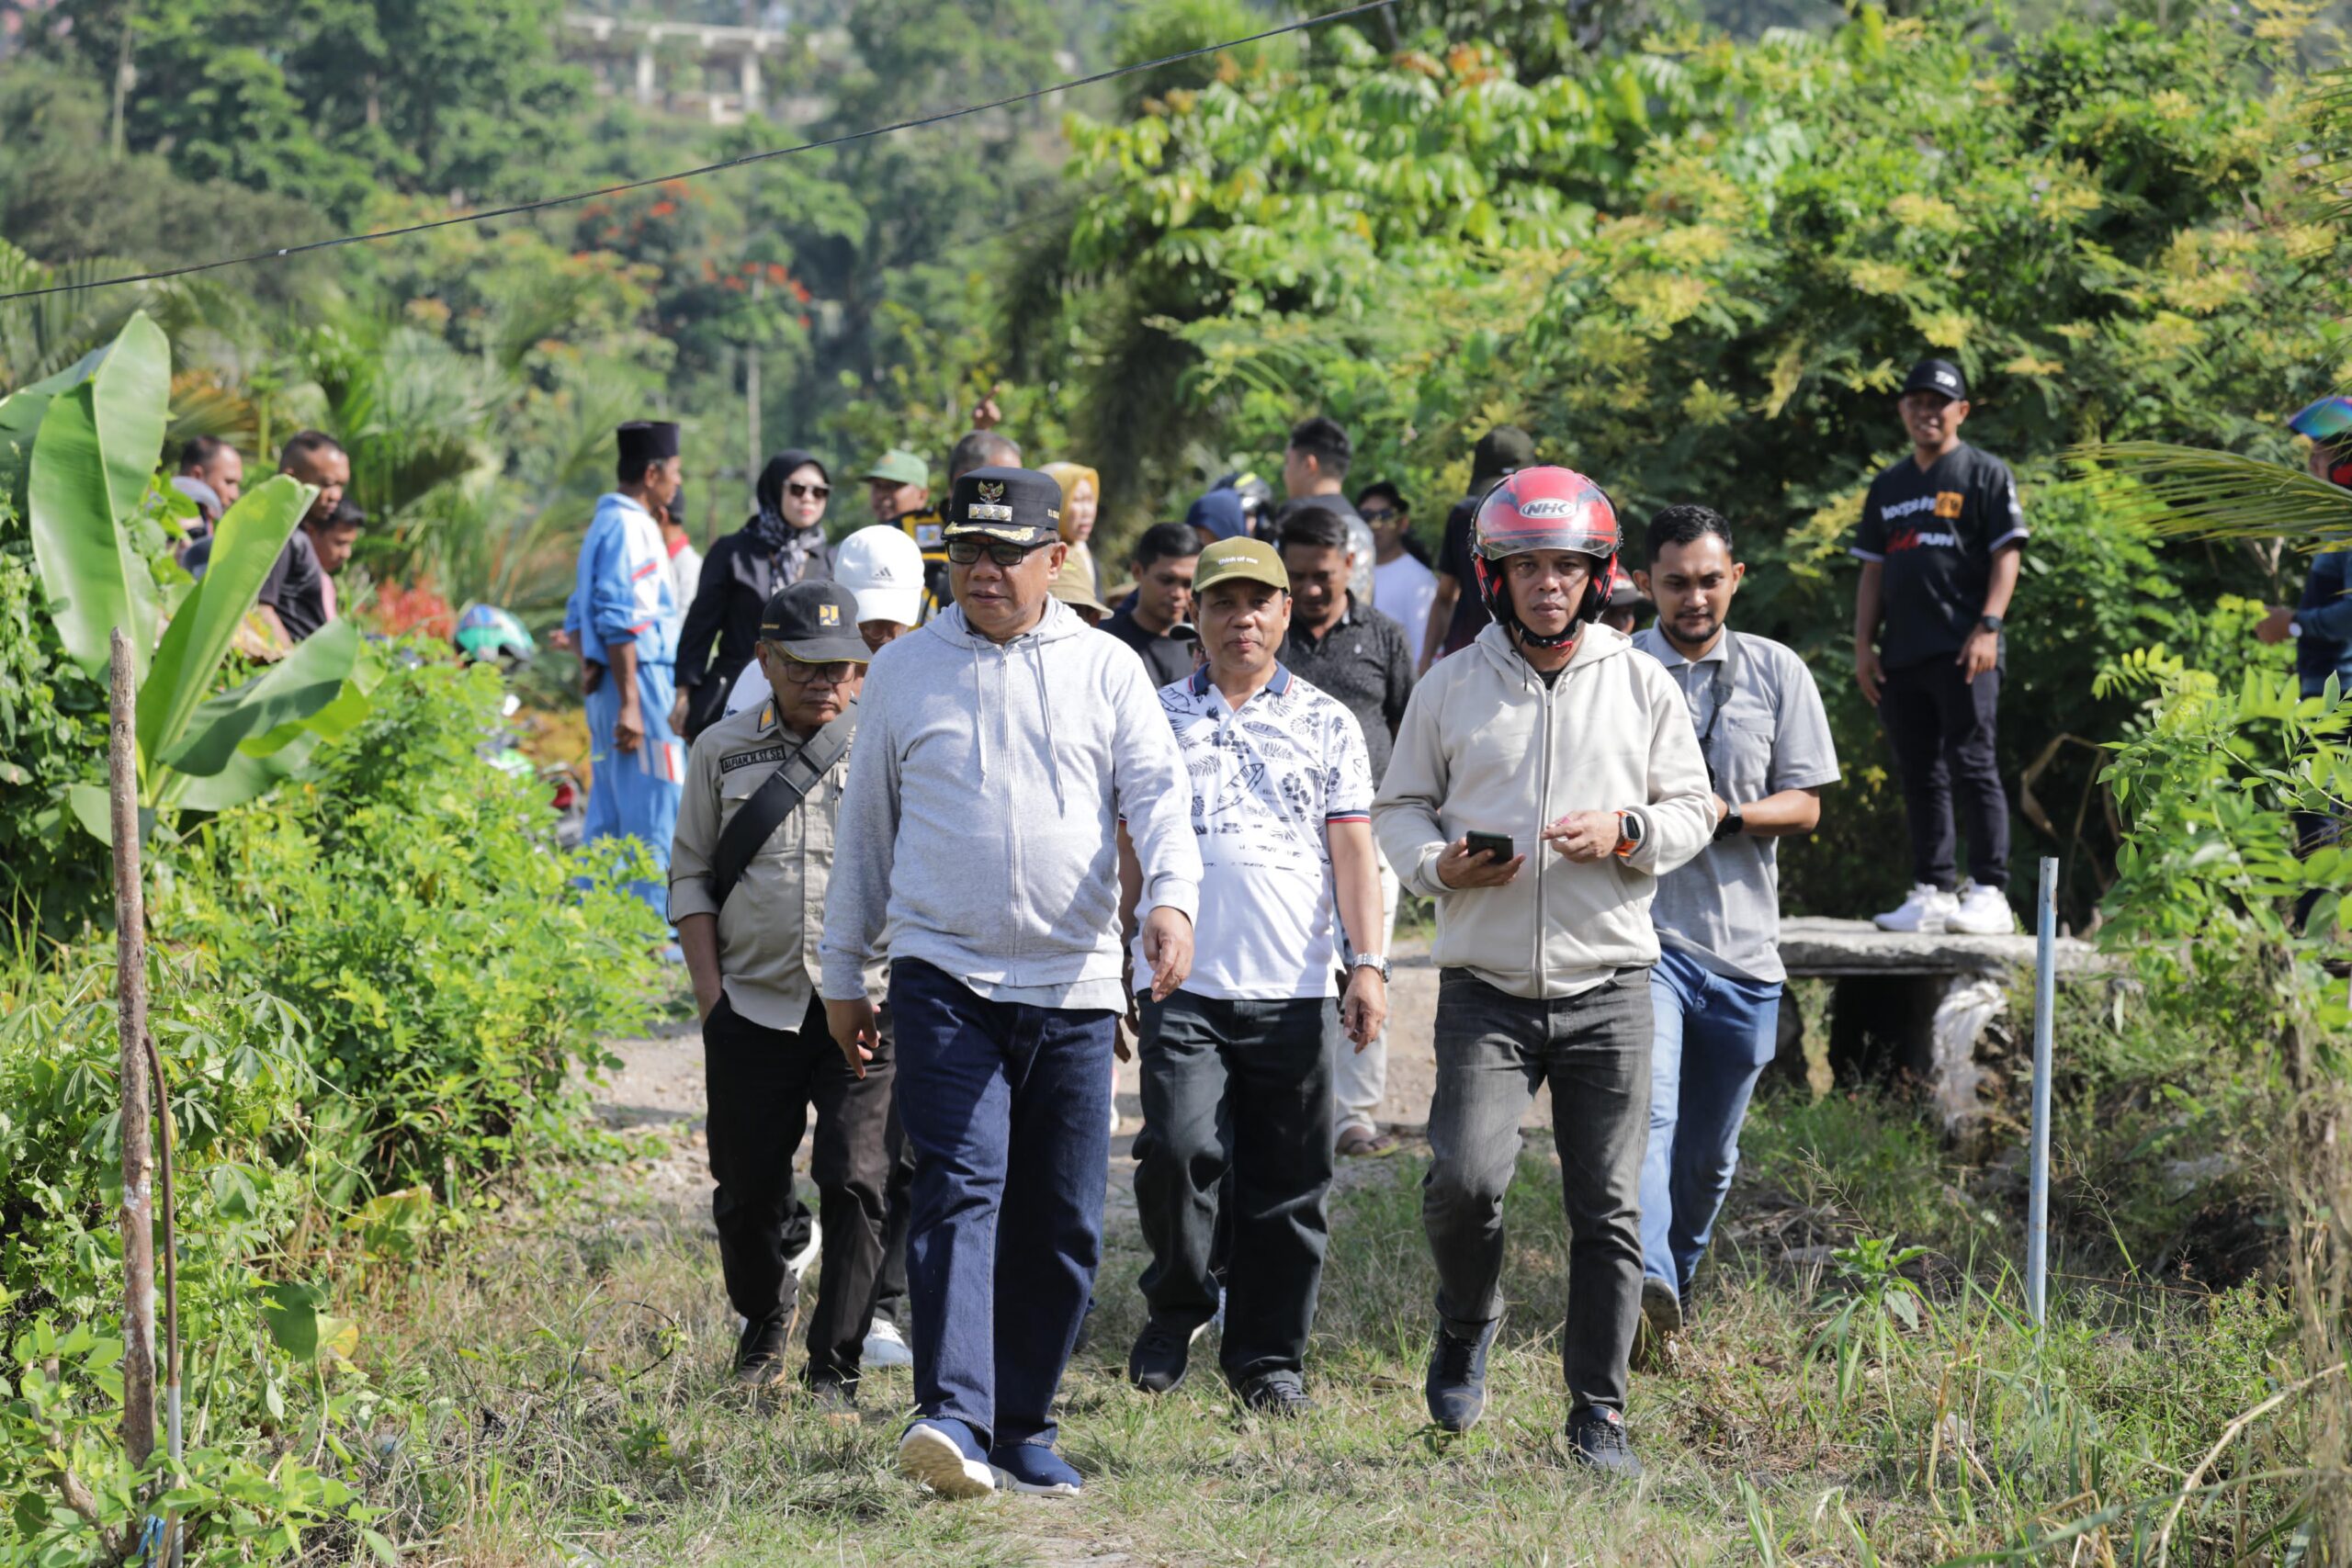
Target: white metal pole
{"points": [[2045, 996]]}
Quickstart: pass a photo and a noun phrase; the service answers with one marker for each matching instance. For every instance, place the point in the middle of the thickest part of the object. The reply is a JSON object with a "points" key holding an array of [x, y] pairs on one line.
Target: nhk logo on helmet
{"points": [[1550, 506]]}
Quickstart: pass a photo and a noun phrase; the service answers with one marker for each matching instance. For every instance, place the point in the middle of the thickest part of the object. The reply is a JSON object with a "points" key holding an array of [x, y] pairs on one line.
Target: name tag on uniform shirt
{"points": [[760, 754], [930, 536]]}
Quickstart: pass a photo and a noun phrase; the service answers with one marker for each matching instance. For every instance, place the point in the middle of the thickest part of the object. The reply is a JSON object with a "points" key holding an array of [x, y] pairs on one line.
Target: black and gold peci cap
{"points": [[1019, 506], [815, 623]]}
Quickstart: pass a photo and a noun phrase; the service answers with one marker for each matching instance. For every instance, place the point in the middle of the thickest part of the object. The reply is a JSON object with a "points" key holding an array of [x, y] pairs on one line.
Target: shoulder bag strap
{"points": [[775, 800]]}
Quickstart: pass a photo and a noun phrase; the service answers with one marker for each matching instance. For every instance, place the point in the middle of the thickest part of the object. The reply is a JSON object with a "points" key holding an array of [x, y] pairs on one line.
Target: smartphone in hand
{"points": [[1495, 846]]}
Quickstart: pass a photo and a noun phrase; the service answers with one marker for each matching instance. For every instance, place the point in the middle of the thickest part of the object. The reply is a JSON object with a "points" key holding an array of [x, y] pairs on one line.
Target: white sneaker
{"points": [[1982, 911], [1926, 910], [800, 1262], [885, 1347], [930, 1458]]}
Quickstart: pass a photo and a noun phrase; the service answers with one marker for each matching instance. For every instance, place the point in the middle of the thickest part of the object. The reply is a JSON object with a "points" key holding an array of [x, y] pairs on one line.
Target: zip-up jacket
{"points": [[981, 813], [1486, 747]]}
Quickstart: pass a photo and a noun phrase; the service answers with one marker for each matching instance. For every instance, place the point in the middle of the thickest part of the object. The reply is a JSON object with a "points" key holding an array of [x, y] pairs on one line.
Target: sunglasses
{"points": [[809, 492], [797, 673], [1377, 513], [965, 552]]}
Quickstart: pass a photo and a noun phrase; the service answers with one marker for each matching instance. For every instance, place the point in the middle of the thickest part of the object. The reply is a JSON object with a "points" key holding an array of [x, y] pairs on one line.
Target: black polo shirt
{"points": [[1364, 663], [1168, 658], [296, 587], [1936, 530]]}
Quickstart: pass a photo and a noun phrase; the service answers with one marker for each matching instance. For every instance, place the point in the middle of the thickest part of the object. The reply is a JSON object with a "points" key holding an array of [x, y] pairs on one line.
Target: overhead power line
{"points": [[844, 139]]}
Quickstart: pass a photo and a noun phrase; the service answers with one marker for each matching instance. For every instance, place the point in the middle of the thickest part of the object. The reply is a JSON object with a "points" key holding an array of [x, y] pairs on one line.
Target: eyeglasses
{"points": [[797, 673], [809, 492], [965, 552], [1376, 514]]}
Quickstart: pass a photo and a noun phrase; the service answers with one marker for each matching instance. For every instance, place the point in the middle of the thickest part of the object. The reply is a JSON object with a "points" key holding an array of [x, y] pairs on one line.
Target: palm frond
{"points": [[2191, 491]]}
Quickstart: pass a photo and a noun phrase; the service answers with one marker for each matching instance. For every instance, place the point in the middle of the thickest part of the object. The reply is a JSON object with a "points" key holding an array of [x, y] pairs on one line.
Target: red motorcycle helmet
{"points": [[1546, 509]]}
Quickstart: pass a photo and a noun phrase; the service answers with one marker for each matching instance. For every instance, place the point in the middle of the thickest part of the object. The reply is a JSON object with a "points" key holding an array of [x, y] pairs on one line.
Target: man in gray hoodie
{"points": [[1002, 743]]}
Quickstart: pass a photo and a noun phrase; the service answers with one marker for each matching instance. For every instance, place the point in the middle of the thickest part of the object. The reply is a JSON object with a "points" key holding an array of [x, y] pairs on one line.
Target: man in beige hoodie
{"points": [[1543, 781]]}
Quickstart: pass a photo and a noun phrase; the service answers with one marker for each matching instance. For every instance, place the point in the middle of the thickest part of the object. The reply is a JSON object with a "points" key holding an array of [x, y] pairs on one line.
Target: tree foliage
{"points": [[1697, 270]]}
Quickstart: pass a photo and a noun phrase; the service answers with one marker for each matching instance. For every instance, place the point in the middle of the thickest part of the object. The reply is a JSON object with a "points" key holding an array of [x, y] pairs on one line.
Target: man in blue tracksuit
{"points": [[1000, 747], [625, 619]]}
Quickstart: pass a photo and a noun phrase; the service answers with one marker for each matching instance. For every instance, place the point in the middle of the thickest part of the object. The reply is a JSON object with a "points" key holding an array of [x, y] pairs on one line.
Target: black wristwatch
{"points": [[1732, 822], [1990, 622]]}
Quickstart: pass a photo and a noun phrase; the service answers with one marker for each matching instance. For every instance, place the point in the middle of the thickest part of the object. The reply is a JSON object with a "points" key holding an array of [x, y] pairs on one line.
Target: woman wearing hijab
{"points": [[1081, 498], [782, 544]]}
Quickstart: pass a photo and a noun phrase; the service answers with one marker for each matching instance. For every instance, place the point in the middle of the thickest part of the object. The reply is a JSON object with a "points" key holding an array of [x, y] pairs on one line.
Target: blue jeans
{"points": [[1714, 1037], [1007, 1108]]}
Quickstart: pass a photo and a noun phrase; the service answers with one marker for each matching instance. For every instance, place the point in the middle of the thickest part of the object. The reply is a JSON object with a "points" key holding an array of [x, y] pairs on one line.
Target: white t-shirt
{"points": [[1266, 782], [1403, 590], [685, 576], [751, 688]]}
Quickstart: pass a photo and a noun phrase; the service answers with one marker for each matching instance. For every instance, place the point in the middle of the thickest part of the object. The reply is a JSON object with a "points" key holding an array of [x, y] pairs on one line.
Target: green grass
{"points": [[577, 1364]]}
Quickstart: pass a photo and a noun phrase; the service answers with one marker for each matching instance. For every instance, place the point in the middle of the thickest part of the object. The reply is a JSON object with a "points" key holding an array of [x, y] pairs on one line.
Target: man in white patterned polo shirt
{"points": [[1237, 1063]]}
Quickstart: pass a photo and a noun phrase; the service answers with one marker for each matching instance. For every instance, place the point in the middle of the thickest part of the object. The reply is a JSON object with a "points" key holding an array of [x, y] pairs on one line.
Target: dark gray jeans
{"points": [[1243, 1087], [1493, 1049]]}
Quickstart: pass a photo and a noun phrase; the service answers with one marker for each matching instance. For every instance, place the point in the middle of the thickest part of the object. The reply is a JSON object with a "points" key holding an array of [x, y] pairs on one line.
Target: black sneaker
{"points": [[1276, 1393], [1457, 1380], [833, 1396], [1659, 1340], [1597, 1441], [1157, 1363], [759, 1353]]}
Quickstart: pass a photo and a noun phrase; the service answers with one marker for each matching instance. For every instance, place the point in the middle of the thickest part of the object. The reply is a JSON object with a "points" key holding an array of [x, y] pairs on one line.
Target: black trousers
{"points": [[1941, 726], [897, 1204], [1236, 1131], [763, 1082]]}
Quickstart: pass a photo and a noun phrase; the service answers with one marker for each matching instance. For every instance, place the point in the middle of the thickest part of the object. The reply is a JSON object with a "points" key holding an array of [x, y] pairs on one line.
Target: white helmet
{"points": [[883, 566]]}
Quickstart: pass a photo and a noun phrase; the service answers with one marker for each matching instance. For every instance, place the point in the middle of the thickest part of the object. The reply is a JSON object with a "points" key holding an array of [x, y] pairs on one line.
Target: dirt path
{"points": [[660, 1084]]}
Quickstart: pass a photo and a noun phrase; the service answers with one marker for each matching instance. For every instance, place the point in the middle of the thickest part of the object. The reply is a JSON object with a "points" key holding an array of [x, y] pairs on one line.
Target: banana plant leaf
{"points": [[93, 459], [94, 810], [20, 415], [251, 537], [274, 706], [246, 777]]}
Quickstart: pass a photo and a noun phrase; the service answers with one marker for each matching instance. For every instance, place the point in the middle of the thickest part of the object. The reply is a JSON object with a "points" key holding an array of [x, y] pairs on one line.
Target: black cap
{"points": [[1503, 450], [1939, 375], [648, 440], [815, 623], [1019, 506]]}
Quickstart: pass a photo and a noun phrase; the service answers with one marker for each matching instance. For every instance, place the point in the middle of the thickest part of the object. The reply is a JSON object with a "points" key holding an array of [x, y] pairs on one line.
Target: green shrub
{"points": [[410, 903], [374, 990], [52, 735]]}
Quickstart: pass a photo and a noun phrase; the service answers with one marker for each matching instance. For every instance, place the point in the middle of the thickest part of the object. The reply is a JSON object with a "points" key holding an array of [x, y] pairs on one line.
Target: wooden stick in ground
{"points": [[131, 1020]]}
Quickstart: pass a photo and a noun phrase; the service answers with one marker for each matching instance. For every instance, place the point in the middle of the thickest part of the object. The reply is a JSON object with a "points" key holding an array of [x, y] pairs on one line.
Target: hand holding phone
{"points": [[1478, 860]]}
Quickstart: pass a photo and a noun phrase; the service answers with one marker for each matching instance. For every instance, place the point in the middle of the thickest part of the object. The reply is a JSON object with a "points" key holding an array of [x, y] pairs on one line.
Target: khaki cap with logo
{"points": [[1239, 560]]}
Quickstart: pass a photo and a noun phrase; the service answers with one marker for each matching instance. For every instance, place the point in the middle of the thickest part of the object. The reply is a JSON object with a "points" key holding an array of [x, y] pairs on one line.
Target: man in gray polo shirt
{"points": [[1715, 992]]}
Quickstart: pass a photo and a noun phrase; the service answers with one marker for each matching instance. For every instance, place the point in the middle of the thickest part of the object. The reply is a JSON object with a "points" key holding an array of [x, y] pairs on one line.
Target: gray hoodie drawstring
{"points": [[979, 712], [1045, 709]]}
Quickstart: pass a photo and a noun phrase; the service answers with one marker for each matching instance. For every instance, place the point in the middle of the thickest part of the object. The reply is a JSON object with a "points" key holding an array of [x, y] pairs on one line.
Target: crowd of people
{"points": [[945, 820], [954, 830]]}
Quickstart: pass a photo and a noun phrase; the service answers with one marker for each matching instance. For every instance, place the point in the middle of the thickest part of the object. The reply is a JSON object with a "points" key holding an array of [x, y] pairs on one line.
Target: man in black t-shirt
{"points": [[1459, 611], [1163, 565], [1939, 542]]}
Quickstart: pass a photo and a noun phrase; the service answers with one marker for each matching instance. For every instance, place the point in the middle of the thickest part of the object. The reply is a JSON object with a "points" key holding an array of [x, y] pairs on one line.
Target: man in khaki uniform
{"points": [[748, 878]]}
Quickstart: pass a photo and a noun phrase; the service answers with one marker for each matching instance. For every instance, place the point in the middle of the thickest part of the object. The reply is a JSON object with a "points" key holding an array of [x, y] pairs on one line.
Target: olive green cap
{"points": [[900, 466], [1243, 561]]}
